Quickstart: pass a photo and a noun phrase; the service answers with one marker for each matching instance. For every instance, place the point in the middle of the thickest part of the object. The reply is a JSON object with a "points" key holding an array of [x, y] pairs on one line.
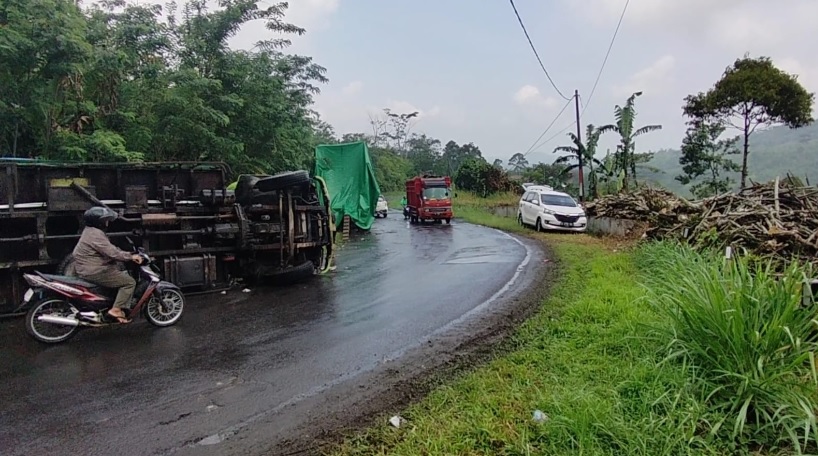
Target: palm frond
{"points": [[646, 129]]}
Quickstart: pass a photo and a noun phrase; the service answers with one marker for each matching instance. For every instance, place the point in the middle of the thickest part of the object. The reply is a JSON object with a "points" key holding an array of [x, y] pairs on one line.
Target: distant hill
{"points": [[773, 152]]}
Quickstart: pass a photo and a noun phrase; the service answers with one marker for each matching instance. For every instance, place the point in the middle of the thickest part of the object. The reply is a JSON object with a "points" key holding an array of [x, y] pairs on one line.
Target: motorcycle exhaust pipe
{"points": [[66, 321]]}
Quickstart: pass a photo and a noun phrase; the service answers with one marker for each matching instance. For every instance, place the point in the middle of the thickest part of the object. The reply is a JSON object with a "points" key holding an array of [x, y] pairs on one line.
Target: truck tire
{"points": [[283, 180], [292, 274], [66, 266], [244, 188]]}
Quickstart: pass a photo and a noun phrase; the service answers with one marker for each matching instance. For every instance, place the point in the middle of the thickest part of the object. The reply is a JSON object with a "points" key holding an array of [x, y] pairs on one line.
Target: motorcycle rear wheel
{"points": [[50, 333], [167, 312]]}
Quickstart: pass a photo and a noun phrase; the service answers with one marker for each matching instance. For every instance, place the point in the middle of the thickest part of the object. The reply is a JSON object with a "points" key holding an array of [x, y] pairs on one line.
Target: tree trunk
{"points": [[745, 154], [747, 111]]}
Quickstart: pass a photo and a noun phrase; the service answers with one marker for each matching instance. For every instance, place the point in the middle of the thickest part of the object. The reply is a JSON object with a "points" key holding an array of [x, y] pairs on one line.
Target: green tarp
{"points": [[351, 183]]}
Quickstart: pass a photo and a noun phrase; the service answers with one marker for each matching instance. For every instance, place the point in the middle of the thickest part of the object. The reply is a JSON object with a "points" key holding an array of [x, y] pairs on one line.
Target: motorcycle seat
{"points": [[70, 280]]}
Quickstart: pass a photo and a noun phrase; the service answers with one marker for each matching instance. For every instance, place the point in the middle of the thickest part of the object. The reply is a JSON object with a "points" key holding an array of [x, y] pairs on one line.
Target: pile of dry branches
{"points": [[776, 219]]}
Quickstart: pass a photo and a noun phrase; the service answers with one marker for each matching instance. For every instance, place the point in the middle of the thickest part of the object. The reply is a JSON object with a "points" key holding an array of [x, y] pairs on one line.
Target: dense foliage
{"points": [[128, 82]]}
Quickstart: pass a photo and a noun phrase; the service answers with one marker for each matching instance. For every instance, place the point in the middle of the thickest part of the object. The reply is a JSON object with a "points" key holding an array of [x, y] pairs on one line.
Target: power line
{"points": [[554, 136], [535, 51], [604, 61], [531, 148]]}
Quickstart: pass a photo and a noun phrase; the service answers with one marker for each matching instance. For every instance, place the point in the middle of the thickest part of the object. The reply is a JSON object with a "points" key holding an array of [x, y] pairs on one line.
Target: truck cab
{"points": [[429, 198]]}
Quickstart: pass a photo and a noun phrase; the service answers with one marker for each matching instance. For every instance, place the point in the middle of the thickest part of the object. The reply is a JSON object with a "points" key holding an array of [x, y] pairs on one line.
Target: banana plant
{"points": [[588, 152], [625, 156]]}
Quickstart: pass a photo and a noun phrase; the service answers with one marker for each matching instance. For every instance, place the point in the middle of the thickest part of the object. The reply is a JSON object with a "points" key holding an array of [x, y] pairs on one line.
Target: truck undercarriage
{"points": [[270, 229]]}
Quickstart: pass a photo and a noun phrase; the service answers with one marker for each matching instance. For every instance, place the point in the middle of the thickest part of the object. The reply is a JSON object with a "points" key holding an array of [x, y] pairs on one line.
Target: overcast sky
{"points": [[470, 72]]}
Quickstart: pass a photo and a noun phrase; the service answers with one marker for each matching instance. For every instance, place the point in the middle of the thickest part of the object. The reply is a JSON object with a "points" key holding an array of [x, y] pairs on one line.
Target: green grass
{"points": [[746, 336], [636, 351], [581, 360]]}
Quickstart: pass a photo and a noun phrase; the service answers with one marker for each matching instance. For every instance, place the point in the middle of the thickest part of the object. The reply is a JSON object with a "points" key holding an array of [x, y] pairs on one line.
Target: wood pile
{"points": [[777, 219]]}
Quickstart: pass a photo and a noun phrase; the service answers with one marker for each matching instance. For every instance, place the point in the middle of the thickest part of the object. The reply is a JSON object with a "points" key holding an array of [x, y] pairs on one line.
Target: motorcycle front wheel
{"points": [[168, 311], [50, 333]]}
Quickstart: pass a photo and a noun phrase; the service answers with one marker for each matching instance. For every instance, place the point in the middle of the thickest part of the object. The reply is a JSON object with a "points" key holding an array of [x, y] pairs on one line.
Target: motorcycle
{"points": [[65, 304], [406, 213]]}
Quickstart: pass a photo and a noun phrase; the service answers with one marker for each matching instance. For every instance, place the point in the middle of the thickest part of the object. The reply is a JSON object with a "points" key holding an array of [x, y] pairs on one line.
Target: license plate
{"points": [[29, 294], [567, 224]]}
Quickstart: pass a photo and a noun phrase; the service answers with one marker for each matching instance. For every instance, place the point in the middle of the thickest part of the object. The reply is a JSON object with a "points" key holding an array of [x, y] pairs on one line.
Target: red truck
{"points": [[429, 198]]}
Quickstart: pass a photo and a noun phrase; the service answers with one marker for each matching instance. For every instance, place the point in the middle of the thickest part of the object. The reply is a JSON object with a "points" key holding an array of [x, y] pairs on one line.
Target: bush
{"points": [[478, 176], [748, 338]]}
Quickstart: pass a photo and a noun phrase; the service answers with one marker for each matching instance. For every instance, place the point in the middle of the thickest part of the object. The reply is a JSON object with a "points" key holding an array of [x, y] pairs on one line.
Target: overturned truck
{"points": [[203, 235]]}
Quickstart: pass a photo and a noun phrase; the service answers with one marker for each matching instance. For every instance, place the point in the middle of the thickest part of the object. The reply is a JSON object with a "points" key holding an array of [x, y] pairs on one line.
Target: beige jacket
{"points": [[94, 253]]}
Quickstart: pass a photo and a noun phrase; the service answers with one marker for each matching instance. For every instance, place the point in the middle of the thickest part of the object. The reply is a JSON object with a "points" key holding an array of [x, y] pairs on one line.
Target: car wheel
{"points": [[520, 220], [539, 225]]}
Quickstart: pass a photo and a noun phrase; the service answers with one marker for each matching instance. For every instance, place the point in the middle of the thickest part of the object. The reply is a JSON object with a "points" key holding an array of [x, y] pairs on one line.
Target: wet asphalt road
{"points": [[237, 359]]}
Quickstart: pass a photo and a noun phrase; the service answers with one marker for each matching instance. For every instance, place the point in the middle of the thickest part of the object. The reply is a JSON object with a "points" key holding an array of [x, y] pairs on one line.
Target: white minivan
{"points": [[546, 209]]}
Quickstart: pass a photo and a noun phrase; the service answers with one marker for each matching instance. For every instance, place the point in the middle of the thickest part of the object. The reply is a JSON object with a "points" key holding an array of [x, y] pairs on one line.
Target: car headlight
{"points": [[548, 211]]}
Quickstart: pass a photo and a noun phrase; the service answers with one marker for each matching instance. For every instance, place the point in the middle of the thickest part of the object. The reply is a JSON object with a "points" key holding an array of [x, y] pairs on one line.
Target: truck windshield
{"points": [[558, 200], [436, 193]]}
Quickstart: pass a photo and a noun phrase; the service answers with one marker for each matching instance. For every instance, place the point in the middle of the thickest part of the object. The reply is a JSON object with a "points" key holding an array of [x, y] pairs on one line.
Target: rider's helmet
{"points": [[99, 217]]}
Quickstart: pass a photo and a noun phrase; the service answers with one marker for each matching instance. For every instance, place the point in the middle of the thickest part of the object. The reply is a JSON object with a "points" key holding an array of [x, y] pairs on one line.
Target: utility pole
{"points": [[579, 150]]}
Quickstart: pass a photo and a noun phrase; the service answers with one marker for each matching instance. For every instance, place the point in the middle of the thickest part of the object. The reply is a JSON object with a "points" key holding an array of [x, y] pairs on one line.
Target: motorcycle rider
{"points": [[95, 260]]}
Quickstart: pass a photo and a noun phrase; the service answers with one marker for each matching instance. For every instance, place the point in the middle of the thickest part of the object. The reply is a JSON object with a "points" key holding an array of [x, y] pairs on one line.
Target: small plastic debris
{"points": [[396, 421], [540, 417], [212, 407], [224, 292], [246, 290]]}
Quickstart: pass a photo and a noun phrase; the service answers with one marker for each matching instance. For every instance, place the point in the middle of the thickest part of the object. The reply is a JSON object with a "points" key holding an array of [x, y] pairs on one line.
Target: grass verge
{"points": [[581, 361], [656, 350]]}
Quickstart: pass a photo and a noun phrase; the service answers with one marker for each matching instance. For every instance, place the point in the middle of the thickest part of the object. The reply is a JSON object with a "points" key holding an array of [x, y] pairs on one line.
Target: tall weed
{"points": [[748, 337]]}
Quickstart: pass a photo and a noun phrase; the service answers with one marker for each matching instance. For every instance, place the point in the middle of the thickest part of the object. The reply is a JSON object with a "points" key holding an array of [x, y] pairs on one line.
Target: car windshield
{"points": [[436, 192], [558, 200]]}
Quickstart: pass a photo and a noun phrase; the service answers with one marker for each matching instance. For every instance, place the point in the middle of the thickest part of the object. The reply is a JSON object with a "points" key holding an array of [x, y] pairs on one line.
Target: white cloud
{"points": [[654, 78], [353, 88], [530, 95]]}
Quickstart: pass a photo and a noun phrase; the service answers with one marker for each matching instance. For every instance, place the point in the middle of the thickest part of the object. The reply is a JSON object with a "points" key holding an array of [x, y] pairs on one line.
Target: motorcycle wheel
{"points": [[50, 333], [168, 311]]}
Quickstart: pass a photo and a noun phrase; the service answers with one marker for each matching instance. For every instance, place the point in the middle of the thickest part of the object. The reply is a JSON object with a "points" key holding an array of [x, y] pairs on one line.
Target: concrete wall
{"points": [[612, 226], [505, 211]]}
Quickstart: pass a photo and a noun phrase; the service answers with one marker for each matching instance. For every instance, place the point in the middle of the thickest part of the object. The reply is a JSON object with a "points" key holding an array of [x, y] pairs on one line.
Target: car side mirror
{"points": [[537, 202]]}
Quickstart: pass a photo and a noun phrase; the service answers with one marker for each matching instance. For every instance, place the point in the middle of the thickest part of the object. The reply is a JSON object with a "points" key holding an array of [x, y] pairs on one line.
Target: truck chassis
{"points": [[270, 229]]}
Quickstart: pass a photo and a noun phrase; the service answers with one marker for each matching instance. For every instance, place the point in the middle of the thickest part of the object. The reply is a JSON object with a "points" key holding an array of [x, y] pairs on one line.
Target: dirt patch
{"points": [[371, 398]]}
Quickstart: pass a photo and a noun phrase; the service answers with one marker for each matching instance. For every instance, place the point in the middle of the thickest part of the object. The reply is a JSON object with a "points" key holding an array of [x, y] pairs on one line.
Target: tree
{"points": [[393, 130], [626, 158], [454, 156], [121, 82], [498, 163], [478, 176], [555, 175], [703, 154], [518, 162], [588, 152], [754, 92], [423, 152]]}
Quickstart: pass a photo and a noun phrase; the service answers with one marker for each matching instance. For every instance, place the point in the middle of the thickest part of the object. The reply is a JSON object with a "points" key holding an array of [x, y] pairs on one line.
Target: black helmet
{"points": [[98, 216]]}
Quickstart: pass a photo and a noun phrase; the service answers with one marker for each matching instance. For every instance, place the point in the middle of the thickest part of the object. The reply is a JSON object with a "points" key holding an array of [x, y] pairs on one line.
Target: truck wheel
{"points": [[292, 274], [66, 266], [283, 180], [448, 221], [244, 188]]}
